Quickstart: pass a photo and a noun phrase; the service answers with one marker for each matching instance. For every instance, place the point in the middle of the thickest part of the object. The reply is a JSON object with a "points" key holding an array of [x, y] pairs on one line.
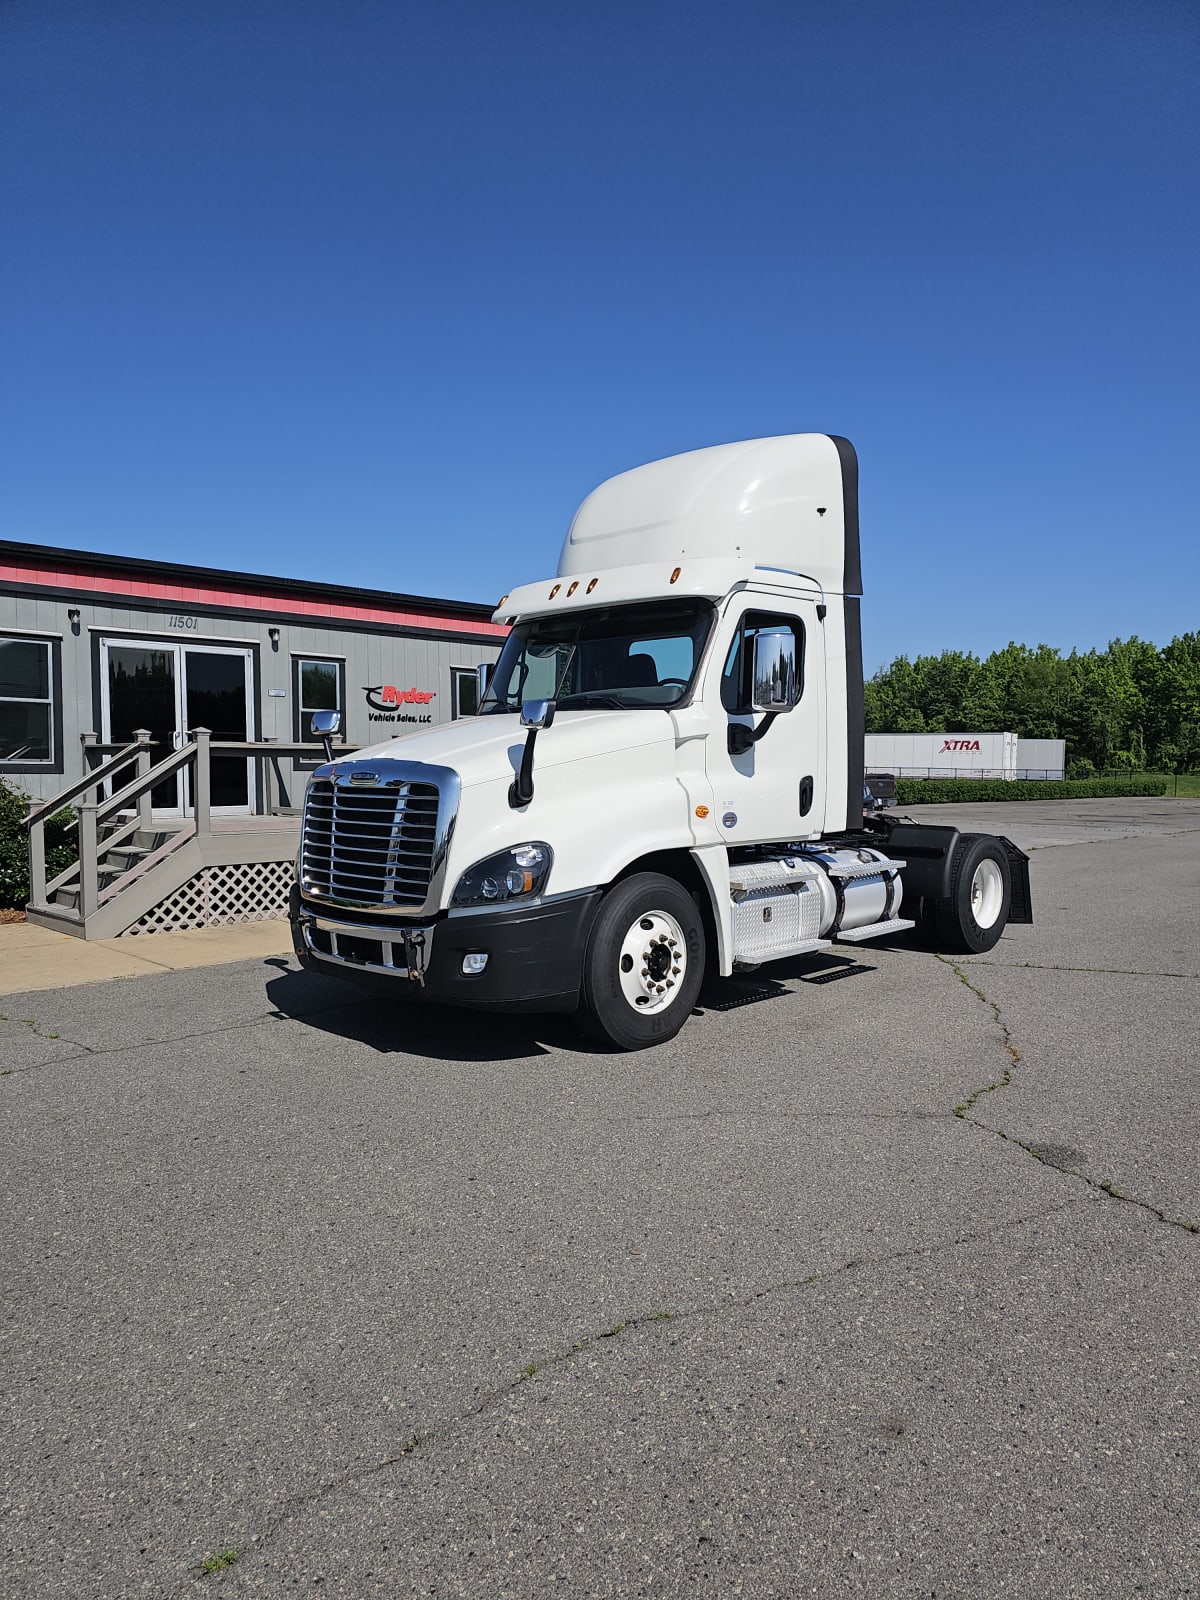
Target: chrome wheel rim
{"points": [[987, 894], [652, 962]]}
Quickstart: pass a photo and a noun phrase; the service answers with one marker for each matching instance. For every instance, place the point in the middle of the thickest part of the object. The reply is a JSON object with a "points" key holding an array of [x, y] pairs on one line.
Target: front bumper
{"points": [[535, 953]]}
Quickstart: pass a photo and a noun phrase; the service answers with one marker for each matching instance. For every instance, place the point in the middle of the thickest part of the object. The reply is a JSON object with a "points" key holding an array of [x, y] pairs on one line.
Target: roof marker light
{"points": [[572, 589], [591, 585], [675, 574], [555, 590]]}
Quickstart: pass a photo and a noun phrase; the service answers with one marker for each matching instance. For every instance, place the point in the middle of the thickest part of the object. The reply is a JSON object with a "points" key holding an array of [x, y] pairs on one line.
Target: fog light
{"points": [[474, 961]]}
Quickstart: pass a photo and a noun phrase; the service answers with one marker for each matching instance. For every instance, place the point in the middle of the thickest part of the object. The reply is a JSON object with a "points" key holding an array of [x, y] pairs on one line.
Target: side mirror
{"points": [[776, 682], [485, 672], [537, 714], [323, 726]]}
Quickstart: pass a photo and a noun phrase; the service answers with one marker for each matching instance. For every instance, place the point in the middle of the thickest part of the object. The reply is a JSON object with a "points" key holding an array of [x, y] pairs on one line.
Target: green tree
{"points": [[1129, 706], [891, 700]]}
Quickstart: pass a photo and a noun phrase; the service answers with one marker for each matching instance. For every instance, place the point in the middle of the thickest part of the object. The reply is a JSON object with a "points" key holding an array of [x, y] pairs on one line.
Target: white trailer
{"points": [[1041, 758], [665, 778], [964, 755], [942, 755]]}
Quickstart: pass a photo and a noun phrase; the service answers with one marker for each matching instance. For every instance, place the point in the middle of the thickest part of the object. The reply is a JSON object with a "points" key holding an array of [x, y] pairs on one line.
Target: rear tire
{"points": [[644, 962], [974, 914]]}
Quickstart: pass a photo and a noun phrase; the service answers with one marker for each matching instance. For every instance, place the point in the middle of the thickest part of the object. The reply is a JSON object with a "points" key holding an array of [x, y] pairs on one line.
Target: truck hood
{"points": [[482, 749]]}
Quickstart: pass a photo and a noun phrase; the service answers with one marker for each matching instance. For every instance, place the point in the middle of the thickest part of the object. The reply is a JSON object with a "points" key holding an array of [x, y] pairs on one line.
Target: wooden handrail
{"points": [[93, 846], [49, 807], [146, 781], [264, 747]]}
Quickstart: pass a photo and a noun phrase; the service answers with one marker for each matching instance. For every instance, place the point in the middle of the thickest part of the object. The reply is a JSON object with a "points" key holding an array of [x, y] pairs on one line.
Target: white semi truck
{"points": [[665, 778]]}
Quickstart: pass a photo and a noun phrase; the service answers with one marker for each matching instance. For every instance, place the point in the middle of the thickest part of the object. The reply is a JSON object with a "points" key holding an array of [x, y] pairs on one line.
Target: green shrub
{"points": [[957, 791], [61, 848]]}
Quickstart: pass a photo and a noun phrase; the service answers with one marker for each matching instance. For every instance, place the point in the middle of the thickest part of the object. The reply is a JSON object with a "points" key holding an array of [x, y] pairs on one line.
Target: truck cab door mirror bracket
{"points": [[535, 714], [741, 737]]}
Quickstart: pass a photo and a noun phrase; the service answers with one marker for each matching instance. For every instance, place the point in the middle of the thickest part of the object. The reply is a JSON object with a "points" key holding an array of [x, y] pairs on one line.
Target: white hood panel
{"points": [[480, 749]]}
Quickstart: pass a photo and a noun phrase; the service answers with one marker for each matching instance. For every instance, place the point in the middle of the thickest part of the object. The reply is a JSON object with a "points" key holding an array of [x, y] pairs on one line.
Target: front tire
{"points": [[644, 962], [974, 914]]}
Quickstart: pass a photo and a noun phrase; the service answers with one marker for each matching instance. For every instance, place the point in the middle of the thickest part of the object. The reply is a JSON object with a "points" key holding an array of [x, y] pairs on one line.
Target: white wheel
{"points": [[652, 962], [644, 962], [971, 918], [987, 893]]}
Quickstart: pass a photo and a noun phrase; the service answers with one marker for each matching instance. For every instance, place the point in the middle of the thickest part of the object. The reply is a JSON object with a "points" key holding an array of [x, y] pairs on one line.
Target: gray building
{"points": [[103, 645]]}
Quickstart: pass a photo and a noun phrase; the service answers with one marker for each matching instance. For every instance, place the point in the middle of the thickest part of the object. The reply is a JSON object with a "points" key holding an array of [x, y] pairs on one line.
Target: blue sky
{"points": [[376, 292]]}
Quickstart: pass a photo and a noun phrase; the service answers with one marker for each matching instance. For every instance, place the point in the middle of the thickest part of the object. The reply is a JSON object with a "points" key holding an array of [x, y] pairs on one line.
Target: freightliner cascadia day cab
{"points": [[665, 778]]}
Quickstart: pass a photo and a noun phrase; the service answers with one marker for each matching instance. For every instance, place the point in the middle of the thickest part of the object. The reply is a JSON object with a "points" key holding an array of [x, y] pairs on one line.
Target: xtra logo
{"points": [[958, 744], [388, 703]]}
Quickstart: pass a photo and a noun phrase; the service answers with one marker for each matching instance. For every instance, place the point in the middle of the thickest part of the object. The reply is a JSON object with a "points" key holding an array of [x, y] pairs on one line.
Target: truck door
{"points": [[774, 790]]}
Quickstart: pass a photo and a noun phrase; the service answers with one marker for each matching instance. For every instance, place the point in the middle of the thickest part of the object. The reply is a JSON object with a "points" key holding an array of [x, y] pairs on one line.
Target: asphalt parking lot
{"points": [[881, 1279]]}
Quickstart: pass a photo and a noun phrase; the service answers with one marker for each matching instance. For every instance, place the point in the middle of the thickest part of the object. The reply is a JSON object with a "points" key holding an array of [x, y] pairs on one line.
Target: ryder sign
{"points": [[389, 704]]}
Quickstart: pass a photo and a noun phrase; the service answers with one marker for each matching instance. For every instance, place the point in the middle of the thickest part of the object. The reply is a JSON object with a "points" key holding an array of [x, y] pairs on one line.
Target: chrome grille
{"points": [[370, 845]]}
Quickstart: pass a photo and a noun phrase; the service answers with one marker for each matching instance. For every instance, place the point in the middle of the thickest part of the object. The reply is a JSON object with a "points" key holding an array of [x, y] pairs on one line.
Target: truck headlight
{"points": [[514, 874]]}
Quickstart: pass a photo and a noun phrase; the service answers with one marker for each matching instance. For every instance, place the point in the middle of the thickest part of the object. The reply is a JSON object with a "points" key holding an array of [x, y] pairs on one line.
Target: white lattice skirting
{"points": [[218, 896]]}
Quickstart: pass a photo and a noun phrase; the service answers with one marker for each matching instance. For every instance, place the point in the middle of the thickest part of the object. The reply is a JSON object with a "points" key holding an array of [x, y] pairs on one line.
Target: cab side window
{"points": [[739, 664]]}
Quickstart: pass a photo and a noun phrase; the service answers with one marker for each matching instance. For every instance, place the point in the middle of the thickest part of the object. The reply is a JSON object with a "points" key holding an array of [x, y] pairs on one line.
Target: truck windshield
{"points": [[622, 657]]}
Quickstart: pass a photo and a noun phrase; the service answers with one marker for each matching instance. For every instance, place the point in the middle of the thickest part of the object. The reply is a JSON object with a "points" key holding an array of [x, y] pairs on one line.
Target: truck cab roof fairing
{"points": [[789, 502]]}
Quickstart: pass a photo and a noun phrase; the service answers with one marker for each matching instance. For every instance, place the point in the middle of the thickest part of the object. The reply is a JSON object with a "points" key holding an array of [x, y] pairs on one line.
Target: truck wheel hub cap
{"points": [[987, 894], [652, 962]]}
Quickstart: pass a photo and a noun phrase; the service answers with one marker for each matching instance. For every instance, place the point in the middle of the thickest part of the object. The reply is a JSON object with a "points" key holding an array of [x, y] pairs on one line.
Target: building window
{"points": [[29, 733], [320, 685], [464, 695]]}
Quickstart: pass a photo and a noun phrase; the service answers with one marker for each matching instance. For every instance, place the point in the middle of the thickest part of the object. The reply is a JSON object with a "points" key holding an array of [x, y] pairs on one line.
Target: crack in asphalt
{"points": [[421, 1438], [1040, 1153], [734, 1110], [1110, 972], [1110, 838], [31, 1024], [97, 1052]]}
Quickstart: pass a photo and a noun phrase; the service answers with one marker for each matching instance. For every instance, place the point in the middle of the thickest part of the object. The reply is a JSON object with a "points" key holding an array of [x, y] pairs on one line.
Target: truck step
{"points": [[863, 869], [772, 875], [874, 930], [744, 962]]}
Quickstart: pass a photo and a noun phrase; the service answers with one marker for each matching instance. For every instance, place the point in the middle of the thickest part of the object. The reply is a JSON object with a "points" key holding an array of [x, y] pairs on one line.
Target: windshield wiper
{"points": [[588, 698]]}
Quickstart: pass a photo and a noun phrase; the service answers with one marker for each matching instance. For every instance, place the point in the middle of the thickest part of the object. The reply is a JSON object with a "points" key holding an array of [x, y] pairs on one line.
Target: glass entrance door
{"points": [[216, 695], [141, 690], [171, 689]]}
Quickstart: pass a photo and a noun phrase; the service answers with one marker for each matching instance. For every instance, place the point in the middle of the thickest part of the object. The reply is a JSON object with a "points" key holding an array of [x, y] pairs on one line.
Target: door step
{"points": [[747, 963], [862, 869], [874, 930]]}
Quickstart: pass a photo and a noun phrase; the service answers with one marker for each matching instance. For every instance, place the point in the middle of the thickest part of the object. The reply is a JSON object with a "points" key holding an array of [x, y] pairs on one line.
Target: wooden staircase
{"points": [[130, 863]]}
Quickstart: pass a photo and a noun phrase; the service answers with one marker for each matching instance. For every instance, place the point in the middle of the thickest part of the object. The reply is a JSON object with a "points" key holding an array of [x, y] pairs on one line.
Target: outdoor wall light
{"points": [[73, 613], [273, 635]]}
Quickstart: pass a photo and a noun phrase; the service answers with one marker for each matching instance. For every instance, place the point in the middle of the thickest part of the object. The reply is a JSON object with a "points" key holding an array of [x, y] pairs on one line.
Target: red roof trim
{"points": [[62, 577]]}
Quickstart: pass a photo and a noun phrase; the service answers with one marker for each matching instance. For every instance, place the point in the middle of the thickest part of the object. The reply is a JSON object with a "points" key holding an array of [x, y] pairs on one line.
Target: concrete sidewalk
{"points": [[37, 958]]}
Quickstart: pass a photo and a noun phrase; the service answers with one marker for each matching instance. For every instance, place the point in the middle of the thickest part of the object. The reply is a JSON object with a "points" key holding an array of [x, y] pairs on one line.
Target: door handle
{"points": [[806, 796]]}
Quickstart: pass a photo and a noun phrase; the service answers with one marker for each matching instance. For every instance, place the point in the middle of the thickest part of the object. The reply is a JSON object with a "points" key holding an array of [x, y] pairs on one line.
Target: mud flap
{"points": [[1021, 903]]}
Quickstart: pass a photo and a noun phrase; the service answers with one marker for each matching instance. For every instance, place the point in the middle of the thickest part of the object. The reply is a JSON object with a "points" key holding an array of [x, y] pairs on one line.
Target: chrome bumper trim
{"points": [[397, 946]]}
